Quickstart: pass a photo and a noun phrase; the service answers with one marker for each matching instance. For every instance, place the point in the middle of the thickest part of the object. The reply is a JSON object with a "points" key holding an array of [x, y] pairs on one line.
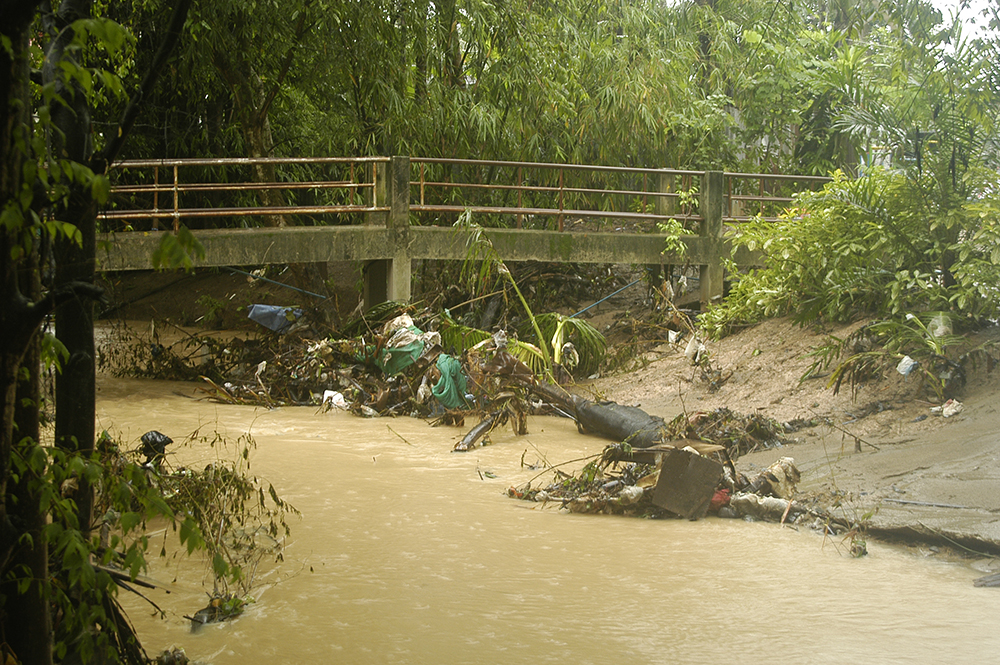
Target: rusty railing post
{"points": [[177, 213], [156, 197], [375, 194], [561, 206]]}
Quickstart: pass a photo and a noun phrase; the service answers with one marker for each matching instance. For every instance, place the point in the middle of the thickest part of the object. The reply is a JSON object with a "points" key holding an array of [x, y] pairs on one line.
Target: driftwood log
{"points": [[484, 427], [607, 419], [988, 580]]}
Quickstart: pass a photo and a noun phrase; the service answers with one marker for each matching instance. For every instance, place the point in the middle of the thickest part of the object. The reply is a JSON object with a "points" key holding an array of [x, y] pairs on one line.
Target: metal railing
{"points": [[773, 194], [145, 193], [638, 194], [135, 182]]}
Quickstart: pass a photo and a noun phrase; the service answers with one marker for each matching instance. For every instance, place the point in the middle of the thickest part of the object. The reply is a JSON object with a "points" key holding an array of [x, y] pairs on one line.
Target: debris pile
{"points": [[689, 476], [738, 434], [221, 607], [391, 367]]}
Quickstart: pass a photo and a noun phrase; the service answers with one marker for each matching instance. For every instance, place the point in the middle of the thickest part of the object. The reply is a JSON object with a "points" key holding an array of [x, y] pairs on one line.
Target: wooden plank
{"points": [[686, 484]]}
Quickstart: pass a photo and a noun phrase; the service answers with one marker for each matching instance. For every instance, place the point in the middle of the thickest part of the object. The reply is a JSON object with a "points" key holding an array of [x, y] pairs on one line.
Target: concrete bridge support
{"points": [[712, 205], [389, 279]]}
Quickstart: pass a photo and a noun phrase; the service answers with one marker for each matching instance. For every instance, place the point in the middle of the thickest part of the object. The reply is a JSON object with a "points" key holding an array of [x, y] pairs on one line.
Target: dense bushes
{"points": [[876, 246]]}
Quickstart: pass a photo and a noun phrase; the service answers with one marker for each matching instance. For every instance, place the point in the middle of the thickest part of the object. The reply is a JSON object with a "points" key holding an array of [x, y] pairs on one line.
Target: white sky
{"points": [[970, 16]]}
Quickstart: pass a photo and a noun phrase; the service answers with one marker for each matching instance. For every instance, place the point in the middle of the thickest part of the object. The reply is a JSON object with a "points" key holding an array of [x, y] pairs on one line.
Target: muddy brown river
{"points": [[408, 553]]}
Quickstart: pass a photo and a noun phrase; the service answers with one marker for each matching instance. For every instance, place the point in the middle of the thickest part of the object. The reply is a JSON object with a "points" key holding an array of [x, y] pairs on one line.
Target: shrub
{"points": [[880, 246]]}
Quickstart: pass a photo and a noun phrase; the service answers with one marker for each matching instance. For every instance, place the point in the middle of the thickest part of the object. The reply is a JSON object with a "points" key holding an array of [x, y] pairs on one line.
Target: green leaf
{"points": [[178, 251]]}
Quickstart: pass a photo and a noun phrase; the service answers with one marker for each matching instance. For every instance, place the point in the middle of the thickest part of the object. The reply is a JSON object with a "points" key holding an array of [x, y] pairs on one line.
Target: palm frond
{"points": [[590, 344], [458, 338], [529, 354]]}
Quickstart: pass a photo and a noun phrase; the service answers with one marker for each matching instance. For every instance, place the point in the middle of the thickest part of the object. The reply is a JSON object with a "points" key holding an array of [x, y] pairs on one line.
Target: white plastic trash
{"points": [[630, 495], [906, 365], [694, 350], [334, 399], [951, 408], [939, 326]]}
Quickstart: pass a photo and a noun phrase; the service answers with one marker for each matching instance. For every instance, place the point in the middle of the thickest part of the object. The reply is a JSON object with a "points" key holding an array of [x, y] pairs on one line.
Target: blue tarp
{"points": [[278, 319]]}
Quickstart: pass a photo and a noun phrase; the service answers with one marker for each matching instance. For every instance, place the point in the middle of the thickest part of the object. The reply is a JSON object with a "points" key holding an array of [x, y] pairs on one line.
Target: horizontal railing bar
{"points": [[551, 212], [225, 212], [237, 161], [235, 187], [777, 176], [553, 165], [750, 197], [545, 188]]}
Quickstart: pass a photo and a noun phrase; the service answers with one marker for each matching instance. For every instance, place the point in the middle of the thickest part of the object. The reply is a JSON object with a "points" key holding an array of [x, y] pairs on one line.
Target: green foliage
{"points": [[875, 246], [214, 310], [458, 339], [674, 231], [483, 267], [230, 514], [178, 251], [82, 587], [589, 343], [590, 82], [871, 350]]}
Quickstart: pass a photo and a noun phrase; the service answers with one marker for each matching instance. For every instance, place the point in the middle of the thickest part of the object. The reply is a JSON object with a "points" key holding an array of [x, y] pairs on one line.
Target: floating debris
{"points": [[219, 608]]}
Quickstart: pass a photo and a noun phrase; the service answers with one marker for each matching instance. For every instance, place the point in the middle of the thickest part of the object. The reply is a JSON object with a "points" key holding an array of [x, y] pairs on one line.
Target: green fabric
{"points": [[450, 388], [394, 361]]}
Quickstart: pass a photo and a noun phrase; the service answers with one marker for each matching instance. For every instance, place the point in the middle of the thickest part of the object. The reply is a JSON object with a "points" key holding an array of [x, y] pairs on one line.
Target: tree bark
{"points": [[28, 628], [75, 383], [25, 624], [25, 618], [15, 315]]}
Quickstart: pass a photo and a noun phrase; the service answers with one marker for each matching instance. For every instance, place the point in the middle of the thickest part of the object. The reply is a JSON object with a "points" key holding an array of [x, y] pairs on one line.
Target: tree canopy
{"points": [[751, 86]]}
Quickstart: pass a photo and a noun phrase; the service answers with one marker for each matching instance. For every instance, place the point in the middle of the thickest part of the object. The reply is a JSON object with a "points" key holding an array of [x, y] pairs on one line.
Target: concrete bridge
{"points": [[387, 199]]}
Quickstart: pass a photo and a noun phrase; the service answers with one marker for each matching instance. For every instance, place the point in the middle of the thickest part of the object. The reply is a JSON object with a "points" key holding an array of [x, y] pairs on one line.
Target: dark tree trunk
{"points": [[75, 392], [28, 626], [17, 322], [26, 634], [25, 626]]}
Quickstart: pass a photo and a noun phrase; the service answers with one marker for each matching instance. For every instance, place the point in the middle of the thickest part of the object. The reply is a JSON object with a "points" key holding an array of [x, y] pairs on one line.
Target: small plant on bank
{"points": [[214, 310], [923, 345], [674, 230], [687, 201]]}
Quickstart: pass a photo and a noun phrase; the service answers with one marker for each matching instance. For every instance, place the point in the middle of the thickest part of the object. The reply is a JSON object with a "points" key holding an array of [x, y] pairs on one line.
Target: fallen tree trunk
{"points": [[607, 419]]}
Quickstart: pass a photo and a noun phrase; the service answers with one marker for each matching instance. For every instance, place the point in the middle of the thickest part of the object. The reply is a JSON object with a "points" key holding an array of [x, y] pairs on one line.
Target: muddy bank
{"points": [[918, 477]]}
